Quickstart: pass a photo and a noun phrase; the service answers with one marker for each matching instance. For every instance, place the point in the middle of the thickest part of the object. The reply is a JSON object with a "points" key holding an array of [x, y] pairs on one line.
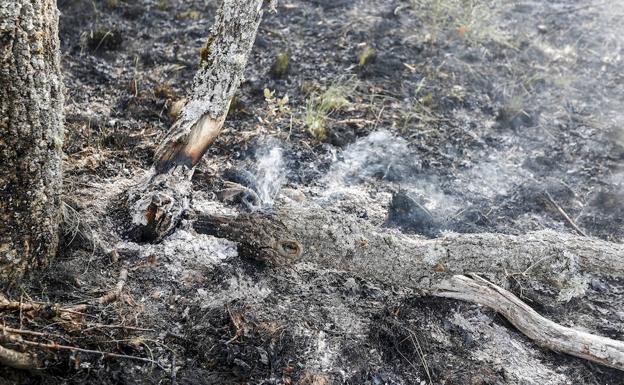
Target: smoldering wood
{"points": [[31, 135], [158, 203], [544, 332], [309, 233], [224, 60]]}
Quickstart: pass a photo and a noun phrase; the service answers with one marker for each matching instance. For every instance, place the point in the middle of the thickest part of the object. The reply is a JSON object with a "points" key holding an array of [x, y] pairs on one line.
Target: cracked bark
{"points": [[158, 203], [332, 239], [307, 233], [31, 135]]}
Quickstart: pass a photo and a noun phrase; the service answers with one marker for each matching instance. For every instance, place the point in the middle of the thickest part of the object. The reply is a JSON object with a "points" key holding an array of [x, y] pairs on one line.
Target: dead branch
{"points": [[544, 332], [49, 309], [55, 346], [16, 305], [17, 360], [28, 360]]}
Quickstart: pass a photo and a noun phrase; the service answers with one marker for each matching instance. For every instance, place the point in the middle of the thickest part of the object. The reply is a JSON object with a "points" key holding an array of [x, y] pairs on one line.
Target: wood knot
{"points": [[288, 249]]}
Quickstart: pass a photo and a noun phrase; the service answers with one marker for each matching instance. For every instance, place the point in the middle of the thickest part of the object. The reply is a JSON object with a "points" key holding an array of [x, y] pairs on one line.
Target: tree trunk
{"points": [[31, 135], [309, 233], [157, 205], [547, 261]]}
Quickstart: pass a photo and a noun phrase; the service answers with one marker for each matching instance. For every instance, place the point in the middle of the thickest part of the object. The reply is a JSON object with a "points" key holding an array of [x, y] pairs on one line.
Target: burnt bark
{"points": [[31, 135], [158, 203], [307, 233], [547, 261]]}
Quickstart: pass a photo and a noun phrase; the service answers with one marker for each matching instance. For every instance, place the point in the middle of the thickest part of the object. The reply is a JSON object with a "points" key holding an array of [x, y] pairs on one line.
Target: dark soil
{"points": [[489, 116]]}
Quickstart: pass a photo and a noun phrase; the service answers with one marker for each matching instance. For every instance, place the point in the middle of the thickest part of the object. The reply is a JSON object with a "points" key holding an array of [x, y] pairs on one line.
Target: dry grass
{"points": [[472, 20], [319, 107]]}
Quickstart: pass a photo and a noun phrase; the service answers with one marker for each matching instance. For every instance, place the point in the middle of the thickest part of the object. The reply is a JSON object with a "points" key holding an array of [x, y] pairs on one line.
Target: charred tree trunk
{"points": [[546, 260], [309, 233], [157, 205], [31, 135]]}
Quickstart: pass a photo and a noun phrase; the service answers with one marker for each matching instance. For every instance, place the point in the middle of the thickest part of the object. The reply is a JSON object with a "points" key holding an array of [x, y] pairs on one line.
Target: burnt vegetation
{"points": [[419, 116]]}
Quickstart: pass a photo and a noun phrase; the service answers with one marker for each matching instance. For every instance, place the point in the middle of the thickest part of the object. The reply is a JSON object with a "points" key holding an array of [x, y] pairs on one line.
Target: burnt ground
{"points": [[466, 116]]}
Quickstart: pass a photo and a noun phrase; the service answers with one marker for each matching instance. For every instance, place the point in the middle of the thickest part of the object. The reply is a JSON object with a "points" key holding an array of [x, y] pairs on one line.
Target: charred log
{"points": [[310, 234], [157, 205], [336, 240]]}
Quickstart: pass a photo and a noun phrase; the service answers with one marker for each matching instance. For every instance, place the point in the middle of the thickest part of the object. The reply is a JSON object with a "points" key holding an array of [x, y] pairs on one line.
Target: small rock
{"points": [[598, 285]]}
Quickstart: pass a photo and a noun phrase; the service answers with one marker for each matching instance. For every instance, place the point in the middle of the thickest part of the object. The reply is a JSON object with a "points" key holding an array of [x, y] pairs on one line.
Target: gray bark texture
{"points": [[159, 202], [31, 135], [224, 59], [308, 233]]}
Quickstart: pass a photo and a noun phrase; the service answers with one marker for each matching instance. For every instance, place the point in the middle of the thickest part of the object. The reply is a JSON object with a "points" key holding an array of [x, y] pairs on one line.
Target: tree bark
{"points": [[158, 203], [309, 233], [546, 260], [31, 135]]}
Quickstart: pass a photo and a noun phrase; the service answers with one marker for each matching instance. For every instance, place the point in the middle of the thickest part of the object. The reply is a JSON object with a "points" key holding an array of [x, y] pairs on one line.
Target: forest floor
{"points": [[494, 116]]}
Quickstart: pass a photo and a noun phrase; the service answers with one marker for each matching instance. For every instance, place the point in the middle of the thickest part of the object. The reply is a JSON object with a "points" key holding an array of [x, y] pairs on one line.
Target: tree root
{"points": [[17, 360], [115, 294], [544, 332]]}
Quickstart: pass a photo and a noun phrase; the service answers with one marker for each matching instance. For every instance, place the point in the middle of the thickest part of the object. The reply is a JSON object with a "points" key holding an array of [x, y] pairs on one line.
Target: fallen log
{"points": [[158, 203], [309, 233]]}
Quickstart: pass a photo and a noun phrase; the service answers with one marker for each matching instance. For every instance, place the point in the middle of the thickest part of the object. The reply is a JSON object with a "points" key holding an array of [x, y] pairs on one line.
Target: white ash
{"points": [[497, 345], [238, 288], [184, 251]]}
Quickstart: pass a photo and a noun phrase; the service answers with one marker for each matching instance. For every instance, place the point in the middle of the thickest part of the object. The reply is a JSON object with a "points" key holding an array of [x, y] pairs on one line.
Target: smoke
{"points": [[387, 163], [267, 177], [379, 156]]}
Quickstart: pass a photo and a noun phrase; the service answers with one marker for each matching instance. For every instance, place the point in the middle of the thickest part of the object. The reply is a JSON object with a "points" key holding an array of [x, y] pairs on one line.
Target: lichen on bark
{"points": [[221, 71], [31, 135]]}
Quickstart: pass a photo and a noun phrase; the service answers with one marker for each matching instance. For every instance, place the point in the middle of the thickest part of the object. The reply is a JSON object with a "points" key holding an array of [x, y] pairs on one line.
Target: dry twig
{"points": [[544, 332], [565, 215]]}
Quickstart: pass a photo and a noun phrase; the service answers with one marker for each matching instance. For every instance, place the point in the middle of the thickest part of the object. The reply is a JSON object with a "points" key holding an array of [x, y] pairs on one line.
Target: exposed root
{"points": [[544, 332], [115, 294]]}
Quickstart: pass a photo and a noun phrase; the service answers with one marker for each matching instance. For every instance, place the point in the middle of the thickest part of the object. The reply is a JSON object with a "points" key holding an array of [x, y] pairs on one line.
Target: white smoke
{"points": [[380, 155], [269, 175]]}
